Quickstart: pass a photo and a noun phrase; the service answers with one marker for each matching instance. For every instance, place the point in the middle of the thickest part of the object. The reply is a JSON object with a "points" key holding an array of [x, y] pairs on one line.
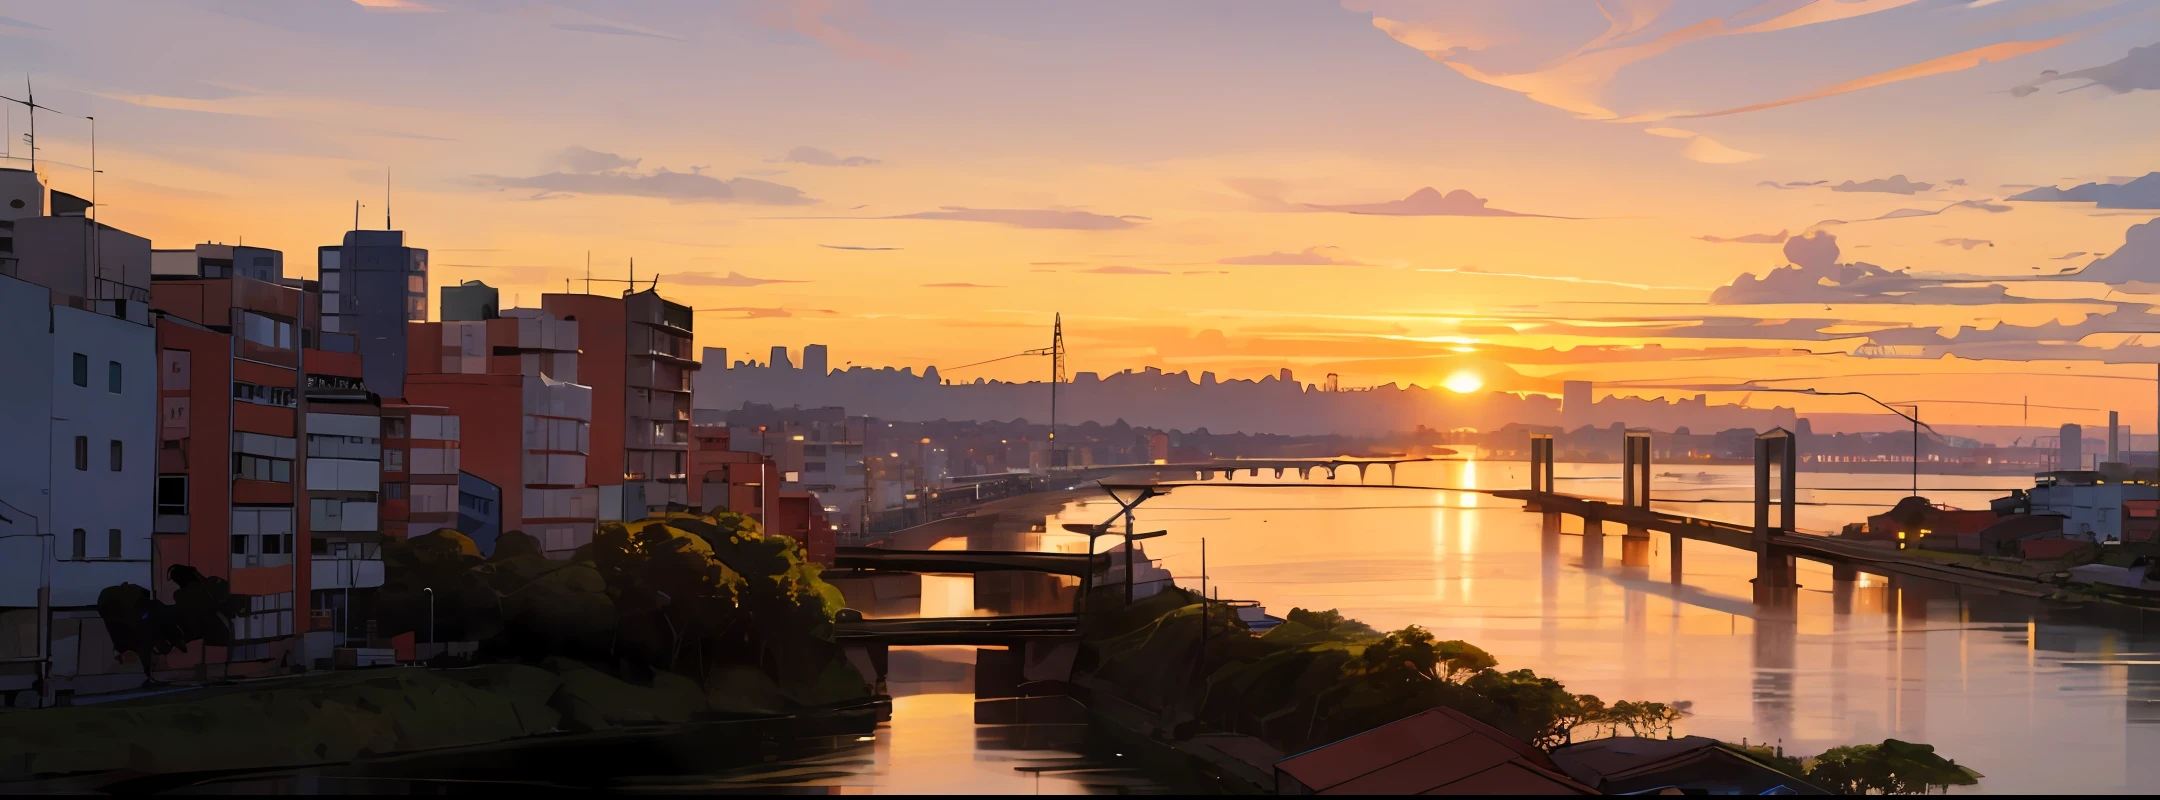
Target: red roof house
{"points": [[1437, 751]]}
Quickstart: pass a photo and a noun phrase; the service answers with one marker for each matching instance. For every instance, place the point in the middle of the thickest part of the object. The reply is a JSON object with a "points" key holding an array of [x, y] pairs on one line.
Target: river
{"points": [[2037, 697]]}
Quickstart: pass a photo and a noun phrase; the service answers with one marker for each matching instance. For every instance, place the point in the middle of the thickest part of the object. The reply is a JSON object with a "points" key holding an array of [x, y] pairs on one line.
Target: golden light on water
{"points": [[1463, 382]]}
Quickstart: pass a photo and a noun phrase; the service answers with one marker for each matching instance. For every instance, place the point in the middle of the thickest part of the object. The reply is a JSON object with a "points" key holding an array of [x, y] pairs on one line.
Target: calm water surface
{"points": [[2038, 697]]}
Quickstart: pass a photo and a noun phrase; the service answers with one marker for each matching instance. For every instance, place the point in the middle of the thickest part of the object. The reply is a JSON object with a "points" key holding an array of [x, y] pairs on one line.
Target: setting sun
{"points": [[1463, 382]]}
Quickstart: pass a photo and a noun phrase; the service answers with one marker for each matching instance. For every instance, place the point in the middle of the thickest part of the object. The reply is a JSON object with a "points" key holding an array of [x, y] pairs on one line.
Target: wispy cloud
{"points": [[591, 172], [824, 158], [959, 285], [2140, 193], [751, 312], [1895, 184], [1965, 243], [826, 21], [1748, 238], [1320, 256], [1121, 269], [1040, 218], [16, 23], [855, 247], [1559, 279], [2138, 71], [730, 279], [611, 30], [1429, 202], [1936, 66]]}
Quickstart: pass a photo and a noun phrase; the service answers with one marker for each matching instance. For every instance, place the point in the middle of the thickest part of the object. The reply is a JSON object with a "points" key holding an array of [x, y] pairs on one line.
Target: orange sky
{"points": [[1153, 173]]}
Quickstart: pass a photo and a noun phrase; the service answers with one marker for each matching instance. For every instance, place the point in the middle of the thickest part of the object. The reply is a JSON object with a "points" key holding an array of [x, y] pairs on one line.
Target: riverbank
{"points": [[344, 717]]}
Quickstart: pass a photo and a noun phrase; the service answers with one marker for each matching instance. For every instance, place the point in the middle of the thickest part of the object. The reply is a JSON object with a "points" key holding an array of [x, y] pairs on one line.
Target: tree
{"points": [[139, 623], [1893, 767]]}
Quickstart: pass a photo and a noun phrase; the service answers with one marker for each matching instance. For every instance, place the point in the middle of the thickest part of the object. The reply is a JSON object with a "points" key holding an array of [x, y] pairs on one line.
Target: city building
{"points": [[422, 454], [1576, 404], [372, 285], [78, 411], [478, 372], [342, 458], [471, 301], [237, 356], [479, 511], [636, 355], [212, 260]]}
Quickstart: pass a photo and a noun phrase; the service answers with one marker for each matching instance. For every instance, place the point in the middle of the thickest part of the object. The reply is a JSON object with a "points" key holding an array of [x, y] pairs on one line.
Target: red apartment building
{"points": [[509, 385], [637, 358], [734, 480], [422, 454], [234, 354]]}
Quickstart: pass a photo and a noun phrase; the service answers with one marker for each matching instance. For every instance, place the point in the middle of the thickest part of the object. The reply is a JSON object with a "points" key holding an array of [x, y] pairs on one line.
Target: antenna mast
{"points": [[385, 197], [588, 273], [1057, 376]]}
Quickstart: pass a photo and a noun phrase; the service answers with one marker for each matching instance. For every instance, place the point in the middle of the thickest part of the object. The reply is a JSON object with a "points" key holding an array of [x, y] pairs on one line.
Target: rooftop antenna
{"points": [[588, 272], [633, 277], [30, 101], [386, 197], [356, 215]]}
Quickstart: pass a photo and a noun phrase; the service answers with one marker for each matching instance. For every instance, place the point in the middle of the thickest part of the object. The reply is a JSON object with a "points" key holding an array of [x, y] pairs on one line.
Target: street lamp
{"points": [[765, 485], [430, 615]]}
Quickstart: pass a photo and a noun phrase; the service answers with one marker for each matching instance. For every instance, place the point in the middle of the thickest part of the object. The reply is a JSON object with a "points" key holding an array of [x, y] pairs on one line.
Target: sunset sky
{"points": [[1233, 186]]}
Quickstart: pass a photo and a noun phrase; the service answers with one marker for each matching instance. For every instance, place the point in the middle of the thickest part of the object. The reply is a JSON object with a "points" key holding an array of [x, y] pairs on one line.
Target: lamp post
{"points": [[430, 616], [764, 482]]}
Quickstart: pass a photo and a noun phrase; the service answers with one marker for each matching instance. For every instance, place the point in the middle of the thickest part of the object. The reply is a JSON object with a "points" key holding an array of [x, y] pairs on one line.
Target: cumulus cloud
{"points": [[2138, 71], [1749, 238], [1320, 256], [1815, 276], [825, 158], [1895, 184], [591, 172], [2135, 265], [1964, 243], [730, 279], [2138, 193], [1121, 269], [1429, 202], [1040, 218]]}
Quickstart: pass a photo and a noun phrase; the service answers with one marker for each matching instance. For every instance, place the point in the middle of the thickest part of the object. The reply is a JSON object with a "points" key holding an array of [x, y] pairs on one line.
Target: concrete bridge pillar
{"points": [[1541, 462], [1593, 542], [1777, 461], [1674, 541], [1844, 573]]}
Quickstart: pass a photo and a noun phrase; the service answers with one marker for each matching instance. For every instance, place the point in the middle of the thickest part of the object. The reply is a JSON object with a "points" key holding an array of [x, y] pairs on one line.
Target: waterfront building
{"points": [[372, 284], [523, 423], [242, 366], [1686, 765], [78, 422], [636, 357]]}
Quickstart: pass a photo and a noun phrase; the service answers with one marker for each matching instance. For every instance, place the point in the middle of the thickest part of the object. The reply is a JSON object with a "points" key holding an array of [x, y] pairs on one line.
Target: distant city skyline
{"points": [[1865, 195]]}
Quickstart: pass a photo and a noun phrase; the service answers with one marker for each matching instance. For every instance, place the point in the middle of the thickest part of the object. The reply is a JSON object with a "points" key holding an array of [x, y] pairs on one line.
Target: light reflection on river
{"points": [[2039, 698]]}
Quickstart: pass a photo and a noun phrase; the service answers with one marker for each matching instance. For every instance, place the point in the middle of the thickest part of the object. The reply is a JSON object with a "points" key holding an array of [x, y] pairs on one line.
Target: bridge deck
{"points": [[960, 561], [1006, 630], [1811, 546]]}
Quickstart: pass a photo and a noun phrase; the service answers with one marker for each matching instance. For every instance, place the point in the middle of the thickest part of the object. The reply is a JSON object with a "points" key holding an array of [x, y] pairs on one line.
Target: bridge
{"points": [[1774, 538], [1002, 631], [1229, 468], [962, 561]]}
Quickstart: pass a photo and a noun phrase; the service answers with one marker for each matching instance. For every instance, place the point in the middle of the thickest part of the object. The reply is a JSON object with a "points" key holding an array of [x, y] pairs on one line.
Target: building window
{"points": [[82, 544], [266, 331], [257, 468], [82, 454], [172, 494], [82, 370], [112, 377], [393, 491], [112, 544], [393, 460], [394, 427], [116, 455]]}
